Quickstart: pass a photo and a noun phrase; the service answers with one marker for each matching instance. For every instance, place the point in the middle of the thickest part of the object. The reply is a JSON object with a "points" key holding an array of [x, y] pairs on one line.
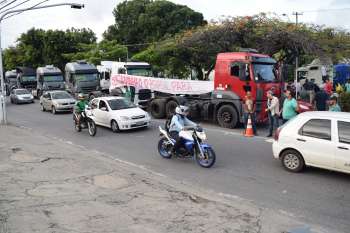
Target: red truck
{"points": [[235, 74]]}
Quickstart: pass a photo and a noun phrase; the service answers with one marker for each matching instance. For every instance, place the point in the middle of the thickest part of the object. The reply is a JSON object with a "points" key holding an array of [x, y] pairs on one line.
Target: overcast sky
{"points": [[97, 14]]}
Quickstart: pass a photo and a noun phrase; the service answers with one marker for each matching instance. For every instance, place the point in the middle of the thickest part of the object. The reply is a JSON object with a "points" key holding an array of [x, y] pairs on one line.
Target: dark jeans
{"points": [[285, 121], [274, 121], [252, 117], [178, 140]]}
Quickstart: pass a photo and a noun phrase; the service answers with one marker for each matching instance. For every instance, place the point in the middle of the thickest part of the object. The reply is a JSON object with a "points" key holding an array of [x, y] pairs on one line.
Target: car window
{"points": [[344, 132], [317, 128], [102, 104]]}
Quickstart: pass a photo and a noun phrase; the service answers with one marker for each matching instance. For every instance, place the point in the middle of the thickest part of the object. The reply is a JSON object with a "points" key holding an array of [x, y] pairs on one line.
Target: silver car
{"points": [[57, 101], [18, 96]]}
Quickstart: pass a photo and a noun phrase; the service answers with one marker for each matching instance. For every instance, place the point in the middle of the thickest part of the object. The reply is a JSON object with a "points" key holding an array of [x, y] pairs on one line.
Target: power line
{"points": [[324, 10], [15, 6], [2, 2], [7, 4], [26, 9]]}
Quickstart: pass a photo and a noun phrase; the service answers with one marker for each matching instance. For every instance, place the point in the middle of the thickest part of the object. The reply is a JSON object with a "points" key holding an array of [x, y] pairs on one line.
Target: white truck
{"points": [[316, 71]]}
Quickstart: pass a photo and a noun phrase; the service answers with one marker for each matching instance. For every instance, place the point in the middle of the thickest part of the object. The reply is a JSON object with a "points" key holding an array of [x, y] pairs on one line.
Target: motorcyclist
{"points": [[178, 122], [80, 106]]}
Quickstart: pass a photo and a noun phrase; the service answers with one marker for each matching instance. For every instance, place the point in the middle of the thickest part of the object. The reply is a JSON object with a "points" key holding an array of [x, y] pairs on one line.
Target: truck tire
{"points": [[227, 116], [157, 108], [170, 108]]}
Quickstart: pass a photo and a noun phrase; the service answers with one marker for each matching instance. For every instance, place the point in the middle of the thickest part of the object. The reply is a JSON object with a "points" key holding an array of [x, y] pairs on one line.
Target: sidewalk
{"points": [[48, 185]]}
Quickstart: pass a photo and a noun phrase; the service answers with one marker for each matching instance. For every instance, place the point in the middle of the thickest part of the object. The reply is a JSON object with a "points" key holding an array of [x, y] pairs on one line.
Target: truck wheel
{"points": [[170, 108], [227, 116], [157, 108]]}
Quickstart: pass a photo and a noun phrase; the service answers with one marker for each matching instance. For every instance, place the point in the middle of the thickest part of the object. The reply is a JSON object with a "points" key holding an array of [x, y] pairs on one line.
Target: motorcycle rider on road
{"points": [[80, 106], [178, 122]]}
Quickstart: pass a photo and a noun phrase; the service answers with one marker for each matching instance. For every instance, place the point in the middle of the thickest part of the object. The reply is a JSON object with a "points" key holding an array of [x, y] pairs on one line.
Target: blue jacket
{"points": [[178, 122]]}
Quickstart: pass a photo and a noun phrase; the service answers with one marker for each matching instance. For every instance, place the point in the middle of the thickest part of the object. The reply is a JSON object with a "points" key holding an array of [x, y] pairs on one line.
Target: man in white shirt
{"points": [[273, 109]]}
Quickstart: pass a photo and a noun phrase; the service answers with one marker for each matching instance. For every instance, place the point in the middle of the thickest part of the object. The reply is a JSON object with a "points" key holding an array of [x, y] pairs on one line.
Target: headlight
{"points": [[125, 118], [201, 135]]}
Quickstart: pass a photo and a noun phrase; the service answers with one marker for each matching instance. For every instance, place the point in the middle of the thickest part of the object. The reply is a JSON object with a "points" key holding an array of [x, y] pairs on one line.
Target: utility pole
{"points": [[297, 57]]}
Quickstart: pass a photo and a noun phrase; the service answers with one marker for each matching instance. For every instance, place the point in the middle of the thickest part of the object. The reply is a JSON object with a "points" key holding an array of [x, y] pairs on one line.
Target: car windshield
{"points": [[85, 77], [118, 104], [28, 78], [147, 72], [22, 92], [264, 72], [61, 95], [53, 78]]}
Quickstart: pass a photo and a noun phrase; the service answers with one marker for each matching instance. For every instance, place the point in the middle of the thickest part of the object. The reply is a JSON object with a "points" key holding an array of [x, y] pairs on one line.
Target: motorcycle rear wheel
{"points": [[209, 159], [163, 148]]}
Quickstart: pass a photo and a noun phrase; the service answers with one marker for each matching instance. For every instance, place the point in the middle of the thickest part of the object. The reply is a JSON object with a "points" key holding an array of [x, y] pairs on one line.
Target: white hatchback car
{"points": [[317, 139], [118, 113]]}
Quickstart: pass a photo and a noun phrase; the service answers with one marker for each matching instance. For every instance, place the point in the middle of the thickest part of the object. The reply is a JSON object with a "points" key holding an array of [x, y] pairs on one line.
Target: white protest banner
{"points": [[172, 86]]}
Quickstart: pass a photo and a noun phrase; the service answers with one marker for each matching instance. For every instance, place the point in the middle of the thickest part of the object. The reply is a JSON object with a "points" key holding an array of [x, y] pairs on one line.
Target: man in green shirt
{"points": [[333, 105], [290, 107], [80, 106]]}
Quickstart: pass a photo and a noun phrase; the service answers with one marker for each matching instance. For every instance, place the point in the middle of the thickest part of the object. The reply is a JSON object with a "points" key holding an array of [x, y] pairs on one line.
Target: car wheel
{"points": [[53, 110], [292, 161], [114, 126], [43, 108]]}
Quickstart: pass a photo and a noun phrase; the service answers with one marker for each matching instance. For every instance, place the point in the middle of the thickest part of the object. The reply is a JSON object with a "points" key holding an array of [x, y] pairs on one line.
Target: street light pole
{"points": [[3, 94], [297, 57]]}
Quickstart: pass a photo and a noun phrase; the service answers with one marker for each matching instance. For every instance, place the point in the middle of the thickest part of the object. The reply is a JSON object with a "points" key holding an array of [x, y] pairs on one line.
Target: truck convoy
{"points": [[235, 74], [82, 77], [48, 78]]}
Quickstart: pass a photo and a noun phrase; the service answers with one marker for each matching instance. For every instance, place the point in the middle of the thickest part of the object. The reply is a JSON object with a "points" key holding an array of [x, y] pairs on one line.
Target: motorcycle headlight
{"points": [[201, 135], [125, 118]]}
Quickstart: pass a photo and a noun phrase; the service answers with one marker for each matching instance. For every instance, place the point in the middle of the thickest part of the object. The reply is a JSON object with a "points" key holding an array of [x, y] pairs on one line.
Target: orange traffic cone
{"points": [[249, 130]]}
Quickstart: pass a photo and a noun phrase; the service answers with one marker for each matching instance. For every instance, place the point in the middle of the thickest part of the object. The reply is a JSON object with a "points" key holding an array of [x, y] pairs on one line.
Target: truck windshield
{"points": [[264, 72], [53, 78], [85, 77], [28, 79], [140, 72], [118, 104]]}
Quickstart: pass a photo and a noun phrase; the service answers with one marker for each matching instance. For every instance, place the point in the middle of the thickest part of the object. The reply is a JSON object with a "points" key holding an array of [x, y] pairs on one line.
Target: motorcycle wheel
{"points": [[209, 159], [163, 148], [91, 128]]}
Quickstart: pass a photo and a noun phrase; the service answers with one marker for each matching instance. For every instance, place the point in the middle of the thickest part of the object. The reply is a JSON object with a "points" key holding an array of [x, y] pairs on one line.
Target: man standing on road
{"points": [[249, 111], [321, 99], [290, 107], [273, 111], [333, 105]]}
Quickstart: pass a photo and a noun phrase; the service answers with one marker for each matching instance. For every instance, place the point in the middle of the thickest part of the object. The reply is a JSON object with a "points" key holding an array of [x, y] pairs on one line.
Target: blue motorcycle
{"points": [[193, 146]]}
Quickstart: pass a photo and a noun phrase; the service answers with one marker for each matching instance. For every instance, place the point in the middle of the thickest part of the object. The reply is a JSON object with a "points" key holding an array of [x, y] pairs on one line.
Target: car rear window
{"points": [[344, 132], [317, 128]]}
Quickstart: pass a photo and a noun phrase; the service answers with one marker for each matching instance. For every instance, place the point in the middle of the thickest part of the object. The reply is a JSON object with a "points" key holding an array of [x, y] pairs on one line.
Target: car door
{"points": [[102, 113], [315, 142], [342, 153]]}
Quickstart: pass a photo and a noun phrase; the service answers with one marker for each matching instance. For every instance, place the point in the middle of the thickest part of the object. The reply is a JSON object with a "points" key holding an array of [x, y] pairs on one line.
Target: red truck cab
{"points": [[239, 72]]}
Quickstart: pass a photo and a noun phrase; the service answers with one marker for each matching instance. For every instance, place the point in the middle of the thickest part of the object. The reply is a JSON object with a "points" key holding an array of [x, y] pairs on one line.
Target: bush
{"points": [[344, 102]]}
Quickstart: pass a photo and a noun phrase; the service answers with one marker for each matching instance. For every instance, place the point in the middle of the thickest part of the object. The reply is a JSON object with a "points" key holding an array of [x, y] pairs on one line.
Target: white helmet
{"points": [[182, 110], [81, 96]]}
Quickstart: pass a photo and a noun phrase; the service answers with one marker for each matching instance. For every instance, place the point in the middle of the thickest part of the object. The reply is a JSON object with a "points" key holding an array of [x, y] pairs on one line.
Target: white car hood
{"points": [[130, 112]]}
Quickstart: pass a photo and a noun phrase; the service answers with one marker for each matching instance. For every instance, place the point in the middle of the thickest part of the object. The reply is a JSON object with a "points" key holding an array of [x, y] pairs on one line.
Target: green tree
{"points": [[147, 21]]}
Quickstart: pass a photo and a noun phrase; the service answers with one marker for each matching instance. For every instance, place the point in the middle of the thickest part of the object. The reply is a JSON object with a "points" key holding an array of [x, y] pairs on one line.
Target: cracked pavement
{"points": [[47, 185]]}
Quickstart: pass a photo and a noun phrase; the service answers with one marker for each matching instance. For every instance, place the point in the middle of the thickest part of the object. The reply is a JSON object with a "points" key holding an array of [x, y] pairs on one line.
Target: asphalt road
{"points": [[244, 168]]}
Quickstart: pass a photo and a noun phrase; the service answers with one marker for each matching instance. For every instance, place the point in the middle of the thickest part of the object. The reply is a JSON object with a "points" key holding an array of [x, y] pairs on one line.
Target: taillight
{"points": [[277, 134]]}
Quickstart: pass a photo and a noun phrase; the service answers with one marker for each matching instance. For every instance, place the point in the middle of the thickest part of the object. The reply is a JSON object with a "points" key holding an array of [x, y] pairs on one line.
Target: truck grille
{"points": [[87, 89]]}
